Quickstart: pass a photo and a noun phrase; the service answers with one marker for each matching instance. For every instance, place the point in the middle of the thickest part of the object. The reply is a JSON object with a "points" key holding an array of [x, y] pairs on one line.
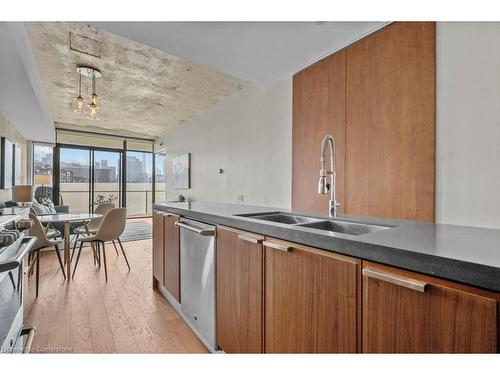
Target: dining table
{"points": [[67, 219]]}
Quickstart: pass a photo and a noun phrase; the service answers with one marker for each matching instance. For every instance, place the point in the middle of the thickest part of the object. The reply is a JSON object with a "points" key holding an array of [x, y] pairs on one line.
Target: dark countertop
{"points": [[468, 255]]}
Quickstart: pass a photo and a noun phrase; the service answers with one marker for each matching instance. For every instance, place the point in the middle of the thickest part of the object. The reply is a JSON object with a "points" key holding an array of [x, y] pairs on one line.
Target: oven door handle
{"points": [[30, 331]]}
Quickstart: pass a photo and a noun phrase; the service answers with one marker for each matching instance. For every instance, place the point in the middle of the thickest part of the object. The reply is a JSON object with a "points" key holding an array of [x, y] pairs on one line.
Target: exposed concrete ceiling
{"points": [[258, 52], [144, 91]]}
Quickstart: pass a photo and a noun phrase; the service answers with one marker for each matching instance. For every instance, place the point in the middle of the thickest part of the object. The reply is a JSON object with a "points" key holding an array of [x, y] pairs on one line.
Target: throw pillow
{"points": [[40, 209], [48, 203]]}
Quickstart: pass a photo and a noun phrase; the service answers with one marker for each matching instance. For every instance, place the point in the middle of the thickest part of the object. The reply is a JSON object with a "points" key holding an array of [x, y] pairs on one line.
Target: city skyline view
{"points": [[74, 177], [74, 165]]}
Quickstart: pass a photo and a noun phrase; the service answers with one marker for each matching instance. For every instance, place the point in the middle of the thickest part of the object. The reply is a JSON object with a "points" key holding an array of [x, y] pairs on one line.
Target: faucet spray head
{"points": [[323, 186]]}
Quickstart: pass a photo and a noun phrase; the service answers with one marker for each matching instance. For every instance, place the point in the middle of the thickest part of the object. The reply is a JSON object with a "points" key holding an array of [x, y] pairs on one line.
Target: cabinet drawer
{"points": [[405, 312]]}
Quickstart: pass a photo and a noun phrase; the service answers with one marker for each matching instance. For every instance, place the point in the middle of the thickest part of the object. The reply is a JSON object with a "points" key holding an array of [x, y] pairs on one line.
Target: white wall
{"points": [[9, 131], [249, 136], [468, 124]]}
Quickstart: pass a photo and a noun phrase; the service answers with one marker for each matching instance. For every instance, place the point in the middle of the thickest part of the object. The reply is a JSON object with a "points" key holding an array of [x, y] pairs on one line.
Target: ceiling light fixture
{"points": [[79, 102], [93, 113], [91, 109]]}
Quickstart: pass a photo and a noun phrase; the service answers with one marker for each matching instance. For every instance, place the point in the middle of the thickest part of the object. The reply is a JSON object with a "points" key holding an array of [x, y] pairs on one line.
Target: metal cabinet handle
{"points": [[277, 246], [249, 239], [201, 232], [405, 282]]}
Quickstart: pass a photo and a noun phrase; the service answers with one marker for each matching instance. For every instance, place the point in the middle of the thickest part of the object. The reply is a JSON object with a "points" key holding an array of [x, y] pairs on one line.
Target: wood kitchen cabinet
{"points": [[318, 109], [376, 97], [390, 123], [311, 300], [404, 312], [172, 255], [239, 291], [166, 253], [158, 249]]}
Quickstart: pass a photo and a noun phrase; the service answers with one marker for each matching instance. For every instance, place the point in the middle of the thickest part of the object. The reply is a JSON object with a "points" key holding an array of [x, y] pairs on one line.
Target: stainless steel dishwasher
{"points": [[198, 278]]}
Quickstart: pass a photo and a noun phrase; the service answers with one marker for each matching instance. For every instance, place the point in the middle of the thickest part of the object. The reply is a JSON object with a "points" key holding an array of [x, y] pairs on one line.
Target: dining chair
{"points": [[37, 230], [111, 228], [93, 225], [51, 232]]}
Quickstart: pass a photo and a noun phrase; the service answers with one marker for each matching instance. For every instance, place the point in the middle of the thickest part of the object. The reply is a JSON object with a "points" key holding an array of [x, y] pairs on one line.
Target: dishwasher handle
{"points": [[201, 232]]}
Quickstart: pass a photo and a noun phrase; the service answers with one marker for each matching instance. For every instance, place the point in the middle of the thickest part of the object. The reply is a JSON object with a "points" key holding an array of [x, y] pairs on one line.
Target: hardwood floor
{"points": [[88, 315]]}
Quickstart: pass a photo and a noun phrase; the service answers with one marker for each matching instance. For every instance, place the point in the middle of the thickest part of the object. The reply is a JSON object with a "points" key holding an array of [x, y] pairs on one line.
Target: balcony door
{"points": [[139, 179], [74, 179], [106, 177], [89, 176]]}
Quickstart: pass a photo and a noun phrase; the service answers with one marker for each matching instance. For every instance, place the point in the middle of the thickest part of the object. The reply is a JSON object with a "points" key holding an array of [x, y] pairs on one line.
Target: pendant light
{"points": [[92, 112], [79, 102], [90, 107]]}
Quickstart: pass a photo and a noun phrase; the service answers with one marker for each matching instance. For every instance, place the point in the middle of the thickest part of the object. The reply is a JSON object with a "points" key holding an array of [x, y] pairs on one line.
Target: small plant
{"points": [[100, 199]]}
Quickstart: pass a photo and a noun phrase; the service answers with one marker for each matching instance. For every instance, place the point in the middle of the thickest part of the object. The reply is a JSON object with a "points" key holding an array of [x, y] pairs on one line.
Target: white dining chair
{"points": [[37, 230], [111, 228], [93, 225]]}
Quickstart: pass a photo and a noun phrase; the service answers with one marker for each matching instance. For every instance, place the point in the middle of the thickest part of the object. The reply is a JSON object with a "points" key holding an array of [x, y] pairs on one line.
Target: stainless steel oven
{"points": [[14, 338]]}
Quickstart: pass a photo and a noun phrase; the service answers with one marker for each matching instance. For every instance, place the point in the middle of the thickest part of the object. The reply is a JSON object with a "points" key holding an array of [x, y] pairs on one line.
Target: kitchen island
{"points": [[408, 287]]}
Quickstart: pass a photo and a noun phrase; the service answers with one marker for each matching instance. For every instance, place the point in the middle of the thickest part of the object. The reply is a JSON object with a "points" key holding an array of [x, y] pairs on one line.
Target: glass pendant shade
{"points": [[78, 104], [89, 108], [93, 109]]}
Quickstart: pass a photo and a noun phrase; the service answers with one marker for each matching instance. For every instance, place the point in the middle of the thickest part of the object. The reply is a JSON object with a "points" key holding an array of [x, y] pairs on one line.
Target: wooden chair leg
{"points": [[104, 257], [98, 251], [74, 247], [123, 251], [77, 259], [116, 249], [32, 263], [60, 260], [37, 270]]}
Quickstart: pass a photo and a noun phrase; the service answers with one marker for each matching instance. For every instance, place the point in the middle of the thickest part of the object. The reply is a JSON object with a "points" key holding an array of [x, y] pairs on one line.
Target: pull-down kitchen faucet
{"points": [[324, 186]]}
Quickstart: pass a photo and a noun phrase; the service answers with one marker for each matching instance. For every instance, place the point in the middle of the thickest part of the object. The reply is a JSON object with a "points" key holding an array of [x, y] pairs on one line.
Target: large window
{"points": [[139, 183], [107, 177], [160, 177], [74, 177], [94, 168], [43, 168]]}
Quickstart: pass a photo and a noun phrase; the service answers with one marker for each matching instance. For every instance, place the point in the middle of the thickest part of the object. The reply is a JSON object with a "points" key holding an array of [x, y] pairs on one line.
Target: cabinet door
{"points": [[318, 109], [172, 256], [158, 249], [311, 300], [404, 312], [390, 123], [239, 291]]}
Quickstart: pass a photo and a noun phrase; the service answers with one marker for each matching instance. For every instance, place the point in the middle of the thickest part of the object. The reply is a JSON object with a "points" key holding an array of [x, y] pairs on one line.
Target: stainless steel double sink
{"points": [[335, 226]]}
